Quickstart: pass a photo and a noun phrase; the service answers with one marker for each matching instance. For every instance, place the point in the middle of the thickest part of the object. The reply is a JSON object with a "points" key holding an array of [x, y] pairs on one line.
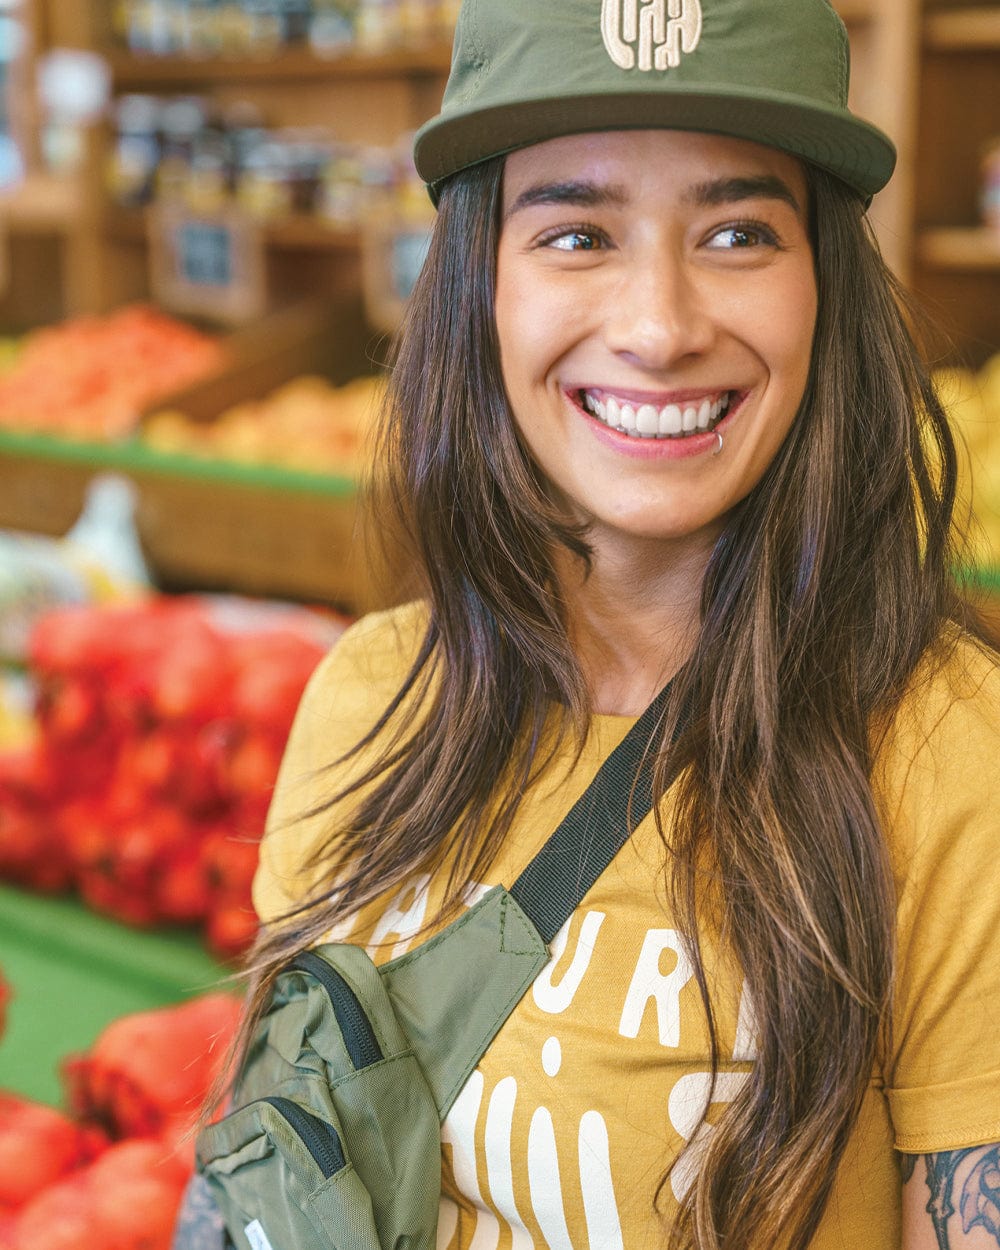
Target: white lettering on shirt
{"points": [[447, 1223], [747, 1031], [599, 1203], [689, 1099], [459, 1132], [402, 919], [555, 998], [499, 1167], [648, 982], [545, 1183]]}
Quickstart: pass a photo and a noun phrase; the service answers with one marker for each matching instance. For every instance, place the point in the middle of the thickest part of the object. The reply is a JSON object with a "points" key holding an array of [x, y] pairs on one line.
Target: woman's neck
{"points": [[634, 619]]}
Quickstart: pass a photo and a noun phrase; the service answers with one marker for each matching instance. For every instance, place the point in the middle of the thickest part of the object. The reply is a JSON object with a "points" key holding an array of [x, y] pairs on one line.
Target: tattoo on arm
{"points": [[979, 1202], [199, 1224]]}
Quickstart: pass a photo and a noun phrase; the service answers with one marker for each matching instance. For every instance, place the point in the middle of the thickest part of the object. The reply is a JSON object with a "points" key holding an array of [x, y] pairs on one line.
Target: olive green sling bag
{"points": [[336, 1136]]}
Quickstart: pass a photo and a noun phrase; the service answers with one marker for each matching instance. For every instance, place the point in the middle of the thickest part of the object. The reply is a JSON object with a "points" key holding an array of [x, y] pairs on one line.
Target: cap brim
{"points": [[835, 140]]}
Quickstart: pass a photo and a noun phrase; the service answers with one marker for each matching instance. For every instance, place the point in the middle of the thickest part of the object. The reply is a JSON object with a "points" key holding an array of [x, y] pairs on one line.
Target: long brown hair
{"points": [[828, 585]]}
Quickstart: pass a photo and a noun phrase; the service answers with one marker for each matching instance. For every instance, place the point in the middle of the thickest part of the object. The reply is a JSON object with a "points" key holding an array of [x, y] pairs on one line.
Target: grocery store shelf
{"points": [[203, 524], [136, 458], [963, 29], [42, 203], [289, 65], [966, 248], [303, 231]]}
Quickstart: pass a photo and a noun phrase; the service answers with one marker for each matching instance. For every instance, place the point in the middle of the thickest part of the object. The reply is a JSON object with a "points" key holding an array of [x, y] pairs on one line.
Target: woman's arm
{"points": [[951, 1201]]}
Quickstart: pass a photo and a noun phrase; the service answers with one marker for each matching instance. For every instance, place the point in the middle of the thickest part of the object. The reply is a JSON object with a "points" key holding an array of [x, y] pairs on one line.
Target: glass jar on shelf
{"points": [[333, 26], [989, 194], [379, 25], [182, 119], [135, 152]]}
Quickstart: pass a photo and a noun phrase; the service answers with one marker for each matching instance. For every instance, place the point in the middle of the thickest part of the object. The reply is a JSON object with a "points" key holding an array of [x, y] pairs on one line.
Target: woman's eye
{"points": [[739, 238], [576, 241]]}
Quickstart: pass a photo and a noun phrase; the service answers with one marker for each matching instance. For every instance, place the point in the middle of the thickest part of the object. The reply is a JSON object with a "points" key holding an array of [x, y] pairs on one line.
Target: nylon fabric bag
{"points": [[335, 1140]]}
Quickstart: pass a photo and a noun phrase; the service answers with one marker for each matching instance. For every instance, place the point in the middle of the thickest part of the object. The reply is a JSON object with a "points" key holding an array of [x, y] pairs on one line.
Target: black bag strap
{"points": [[596, 827]]}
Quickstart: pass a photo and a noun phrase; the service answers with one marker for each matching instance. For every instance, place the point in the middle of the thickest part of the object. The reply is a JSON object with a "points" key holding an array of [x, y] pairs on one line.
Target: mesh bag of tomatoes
{"points": [[161, 731], [111, 1172]]}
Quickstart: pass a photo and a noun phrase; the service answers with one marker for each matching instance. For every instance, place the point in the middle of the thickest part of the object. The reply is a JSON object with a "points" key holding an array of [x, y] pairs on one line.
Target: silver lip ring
{"points": [[718, 450]]}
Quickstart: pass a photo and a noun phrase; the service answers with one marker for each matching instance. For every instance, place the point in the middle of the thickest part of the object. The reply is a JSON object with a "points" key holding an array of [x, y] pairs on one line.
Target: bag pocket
{"points": [[282, 1179]]}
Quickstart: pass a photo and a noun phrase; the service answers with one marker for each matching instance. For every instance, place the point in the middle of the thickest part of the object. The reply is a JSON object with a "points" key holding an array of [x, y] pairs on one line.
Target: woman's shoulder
{"points": [[363, 671], [380, 646], [936, 765], [346, 695], [955, 689], [351, 688]]}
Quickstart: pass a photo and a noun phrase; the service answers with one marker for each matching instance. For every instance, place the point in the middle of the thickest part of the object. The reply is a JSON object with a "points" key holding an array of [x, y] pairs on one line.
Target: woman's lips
{"points": [[678, 416], [670, 425]]}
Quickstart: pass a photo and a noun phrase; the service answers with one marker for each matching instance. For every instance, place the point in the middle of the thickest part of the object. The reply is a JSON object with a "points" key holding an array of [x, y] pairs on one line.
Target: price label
{"points": [[409, 251], [393, 253], [208, 265]]}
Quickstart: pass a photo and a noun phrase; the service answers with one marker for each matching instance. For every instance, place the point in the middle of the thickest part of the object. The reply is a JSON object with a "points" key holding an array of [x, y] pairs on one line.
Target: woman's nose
{"points": [[660, 314]]}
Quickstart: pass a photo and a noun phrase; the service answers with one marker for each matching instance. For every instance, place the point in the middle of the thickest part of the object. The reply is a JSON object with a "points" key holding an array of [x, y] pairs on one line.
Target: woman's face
{"points": [[652, 287]]}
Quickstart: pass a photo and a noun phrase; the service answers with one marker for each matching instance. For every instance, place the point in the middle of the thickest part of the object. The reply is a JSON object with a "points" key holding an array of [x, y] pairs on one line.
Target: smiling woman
{"points": [[660, 442]]}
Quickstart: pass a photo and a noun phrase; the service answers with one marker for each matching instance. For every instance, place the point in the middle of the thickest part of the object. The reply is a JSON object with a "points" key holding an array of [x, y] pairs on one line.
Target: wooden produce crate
{"points": [[266, 532], [203, 525]]}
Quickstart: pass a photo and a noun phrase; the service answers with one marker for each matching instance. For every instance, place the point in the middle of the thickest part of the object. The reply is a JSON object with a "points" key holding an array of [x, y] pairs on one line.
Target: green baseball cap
{"points": [[773, 71]]}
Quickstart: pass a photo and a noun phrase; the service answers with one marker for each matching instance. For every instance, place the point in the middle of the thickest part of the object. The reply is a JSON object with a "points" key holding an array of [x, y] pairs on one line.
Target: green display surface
{"points": [[135, 457], [72, 972]]}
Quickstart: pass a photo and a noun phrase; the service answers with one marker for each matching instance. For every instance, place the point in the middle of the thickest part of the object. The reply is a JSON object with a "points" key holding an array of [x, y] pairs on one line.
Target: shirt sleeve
{"points": [[343, 700], [942, 779]]}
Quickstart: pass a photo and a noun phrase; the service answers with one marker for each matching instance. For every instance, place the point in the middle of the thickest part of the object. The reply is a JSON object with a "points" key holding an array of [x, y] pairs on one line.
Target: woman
{"points": [[656, 417]]}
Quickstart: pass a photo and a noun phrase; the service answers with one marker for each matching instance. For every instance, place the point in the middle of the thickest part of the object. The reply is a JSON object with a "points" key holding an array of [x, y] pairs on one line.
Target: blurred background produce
{"points": [[109, 1167], [161, 727], [93, 377], [306, 424]]}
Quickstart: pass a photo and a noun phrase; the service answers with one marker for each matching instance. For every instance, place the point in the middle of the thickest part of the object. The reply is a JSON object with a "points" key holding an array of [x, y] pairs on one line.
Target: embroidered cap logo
{"points": [[650, 33]]}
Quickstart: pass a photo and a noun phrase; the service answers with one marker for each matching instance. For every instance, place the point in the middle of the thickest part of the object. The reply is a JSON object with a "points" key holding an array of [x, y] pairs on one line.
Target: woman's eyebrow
{"points": [[712, 193], [720, 191], [579, 194]]}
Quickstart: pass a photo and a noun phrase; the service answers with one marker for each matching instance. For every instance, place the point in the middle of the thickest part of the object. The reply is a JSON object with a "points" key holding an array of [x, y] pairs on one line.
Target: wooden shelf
{"points": [[969, 248], [291, 65], [301, 231], [963, 29], [43, 203]]}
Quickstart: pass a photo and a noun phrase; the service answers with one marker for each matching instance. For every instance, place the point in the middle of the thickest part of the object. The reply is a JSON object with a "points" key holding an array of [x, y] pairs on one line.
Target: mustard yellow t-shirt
{"points": [[560, 1137]]}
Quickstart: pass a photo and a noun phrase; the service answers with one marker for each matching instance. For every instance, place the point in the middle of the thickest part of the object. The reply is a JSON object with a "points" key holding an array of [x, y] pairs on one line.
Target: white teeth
{"points": [[648, 421], [671, 421]]}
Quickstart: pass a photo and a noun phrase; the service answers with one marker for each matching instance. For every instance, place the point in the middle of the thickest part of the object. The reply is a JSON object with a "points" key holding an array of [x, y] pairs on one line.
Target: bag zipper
{"points": [[359, 1036], [319, 1138]]}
